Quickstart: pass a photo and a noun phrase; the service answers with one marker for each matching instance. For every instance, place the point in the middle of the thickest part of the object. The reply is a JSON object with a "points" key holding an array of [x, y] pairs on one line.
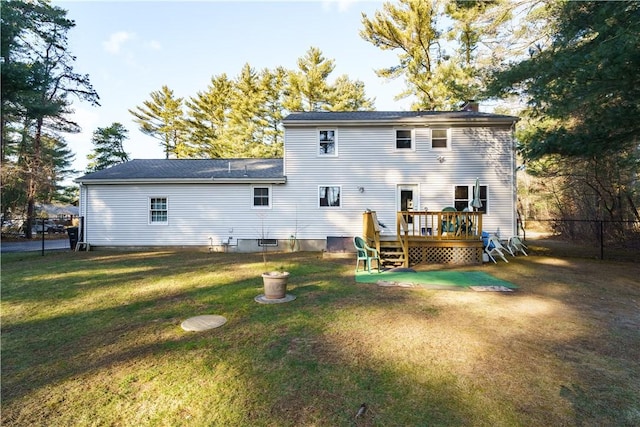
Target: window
{"points": [[158, 213], [461, 198], [327, 145], [329, 196], [261, 197], [439, 138], [464, 196], [403, 139]]}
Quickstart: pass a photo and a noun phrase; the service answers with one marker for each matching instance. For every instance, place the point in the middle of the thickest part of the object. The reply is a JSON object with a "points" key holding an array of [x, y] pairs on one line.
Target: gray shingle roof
{"points": [[373, 116], [241, 170]]}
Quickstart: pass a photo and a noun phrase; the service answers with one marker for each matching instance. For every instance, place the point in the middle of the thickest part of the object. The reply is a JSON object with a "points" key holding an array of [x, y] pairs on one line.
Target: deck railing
{"points": [[439, 225], [426, 225]]}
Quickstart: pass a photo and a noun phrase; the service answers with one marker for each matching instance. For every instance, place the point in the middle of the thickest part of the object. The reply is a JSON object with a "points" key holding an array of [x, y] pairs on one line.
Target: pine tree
{"points": [[207, 119], [162, 118], [348, 95], [581, 117], [441, 69], [308, 86], [273, 85], [247, 110], [108, 147], [39, 84]]}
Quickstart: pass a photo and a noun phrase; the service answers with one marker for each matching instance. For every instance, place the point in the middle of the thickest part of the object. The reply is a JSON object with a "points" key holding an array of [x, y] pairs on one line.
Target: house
{"points": [[336, 166]]}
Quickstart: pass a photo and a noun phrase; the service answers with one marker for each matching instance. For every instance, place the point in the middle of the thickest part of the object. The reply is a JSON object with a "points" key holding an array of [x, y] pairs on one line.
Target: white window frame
{"points": [[448, 147], [150, 206], [319, 142], [395, 139], [339, 196], [269, 196], [485, 201]]}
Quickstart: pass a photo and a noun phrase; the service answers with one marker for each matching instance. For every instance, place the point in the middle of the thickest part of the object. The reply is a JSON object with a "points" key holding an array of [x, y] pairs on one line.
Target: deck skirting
{"points": [[445, 252]]}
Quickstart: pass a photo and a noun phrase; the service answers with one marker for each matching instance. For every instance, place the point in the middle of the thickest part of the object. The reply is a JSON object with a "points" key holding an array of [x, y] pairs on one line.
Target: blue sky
{"points": [[130, 49]]}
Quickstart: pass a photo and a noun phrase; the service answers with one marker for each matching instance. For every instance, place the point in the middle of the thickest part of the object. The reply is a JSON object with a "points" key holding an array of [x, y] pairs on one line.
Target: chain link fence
{"points": [[602, 239]]}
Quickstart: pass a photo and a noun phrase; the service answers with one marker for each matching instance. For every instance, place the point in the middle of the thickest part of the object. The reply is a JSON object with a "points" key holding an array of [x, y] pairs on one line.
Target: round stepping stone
{"points": [[203, 323], [264, 300]]}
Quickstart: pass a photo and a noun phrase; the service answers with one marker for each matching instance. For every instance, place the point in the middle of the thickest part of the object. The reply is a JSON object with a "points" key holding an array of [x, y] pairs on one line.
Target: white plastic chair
{"points": [[494, 247], [516, 245]]}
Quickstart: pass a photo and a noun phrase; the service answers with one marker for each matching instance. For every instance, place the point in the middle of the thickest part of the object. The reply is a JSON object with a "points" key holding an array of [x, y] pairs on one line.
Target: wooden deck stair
{"points": [[391, 253]]}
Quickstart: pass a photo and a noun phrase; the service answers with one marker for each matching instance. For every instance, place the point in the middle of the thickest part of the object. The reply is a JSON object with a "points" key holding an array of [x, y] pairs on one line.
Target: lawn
{"points": [[95, 339]]}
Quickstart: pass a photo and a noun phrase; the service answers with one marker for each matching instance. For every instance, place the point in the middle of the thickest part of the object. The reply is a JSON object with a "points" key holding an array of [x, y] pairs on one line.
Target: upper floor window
{"points": [[464, 196], [158, 210], [439, 138], [327, 142], [404, 139], [329, 196], [261, 197]]}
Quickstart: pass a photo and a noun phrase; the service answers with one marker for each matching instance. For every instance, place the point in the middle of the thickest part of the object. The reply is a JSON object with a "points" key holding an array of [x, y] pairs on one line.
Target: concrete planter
{"points": [[275, 284]]}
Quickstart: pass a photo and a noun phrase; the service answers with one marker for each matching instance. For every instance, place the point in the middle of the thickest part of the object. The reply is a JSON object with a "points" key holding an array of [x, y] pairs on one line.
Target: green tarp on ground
{"points": [[434, 279]]}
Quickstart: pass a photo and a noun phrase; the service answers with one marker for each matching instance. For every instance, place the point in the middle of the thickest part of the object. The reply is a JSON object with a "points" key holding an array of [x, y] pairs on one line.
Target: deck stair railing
{"points": [[390, 250], [371, 229], [403, 237]]}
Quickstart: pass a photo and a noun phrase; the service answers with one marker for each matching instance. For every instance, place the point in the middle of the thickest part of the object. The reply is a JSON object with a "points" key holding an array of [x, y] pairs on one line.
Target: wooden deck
{"points": [[427, 237]]}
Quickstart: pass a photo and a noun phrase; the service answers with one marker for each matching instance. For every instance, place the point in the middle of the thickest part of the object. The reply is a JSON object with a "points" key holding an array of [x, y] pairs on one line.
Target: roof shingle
{"points": [[194, 169], [372, 116]]}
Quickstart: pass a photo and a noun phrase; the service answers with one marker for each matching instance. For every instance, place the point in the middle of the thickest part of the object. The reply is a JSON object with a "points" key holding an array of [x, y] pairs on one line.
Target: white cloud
{"points": [[154, 45], [116, 40], [343, 5]]}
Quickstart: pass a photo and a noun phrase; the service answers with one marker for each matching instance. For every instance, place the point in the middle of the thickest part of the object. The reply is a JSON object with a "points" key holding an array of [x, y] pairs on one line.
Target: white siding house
{"points": [[336, 165]]}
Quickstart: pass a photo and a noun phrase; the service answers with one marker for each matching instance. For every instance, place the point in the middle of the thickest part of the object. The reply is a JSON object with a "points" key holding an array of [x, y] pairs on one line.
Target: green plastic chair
{"points": [[366, 254], [449, 226]]}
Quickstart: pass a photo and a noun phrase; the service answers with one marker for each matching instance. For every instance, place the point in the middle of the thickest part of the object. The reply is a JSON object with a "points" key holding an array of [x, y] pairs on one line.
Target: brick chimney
{"points": [[471, 105]]}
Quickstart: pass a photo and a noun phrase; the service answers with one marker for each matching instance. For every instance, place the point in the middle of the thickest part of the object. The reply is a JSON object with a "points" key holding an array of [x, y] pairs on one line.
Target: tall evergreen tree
{"points": [[348, 95], [583, 91], [309, 89], [582, 110], [441, 69], [207, 119], [273, 84], [247, 110], [162, 118], [108, 148], [58, 165], [412, 28], [39, 84]]}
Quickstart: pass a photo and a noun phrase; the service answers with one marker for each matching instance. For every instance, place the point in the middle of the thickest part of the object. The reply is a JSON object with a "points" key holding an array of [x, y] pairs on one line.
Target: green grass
{"points": [[95, 339]]}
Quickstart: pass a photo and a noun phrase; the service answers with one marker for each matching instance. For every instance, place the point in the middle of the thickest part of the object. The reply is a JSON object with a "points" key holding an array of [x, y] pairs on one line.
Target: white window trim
{"points": [[159, 223], [329, 207], [395, 140], [470, 189], [448, 147], [253, 195], [335, 142]]}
